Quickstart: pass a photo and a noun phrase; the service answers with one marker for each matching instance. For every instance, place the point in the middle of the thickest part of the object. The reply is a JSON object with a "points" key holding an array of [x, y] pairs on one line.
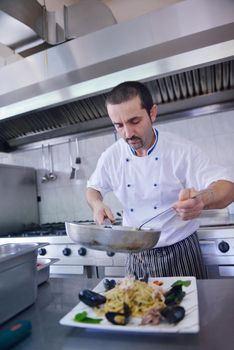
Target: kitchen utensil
{"points": [[170, 208], [112, 238], [78, 159], [154, 217], [73, 170], [52, 176], [45, 177]]}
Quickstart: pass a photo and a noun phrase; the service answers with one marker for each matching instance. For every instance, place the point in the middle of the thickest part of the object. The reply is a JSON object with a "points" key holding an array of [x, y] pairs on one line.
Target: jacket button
{"points": [[128, 185], [131, 209], [155, 185], [155, 207], [156, 158], [127, 159]]}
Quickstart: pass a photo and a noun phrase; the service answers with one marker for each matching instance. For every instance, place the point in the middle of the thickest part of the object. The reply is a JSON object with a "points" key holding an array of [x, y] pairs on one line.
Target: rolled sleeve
{"points": [[100, 179]]}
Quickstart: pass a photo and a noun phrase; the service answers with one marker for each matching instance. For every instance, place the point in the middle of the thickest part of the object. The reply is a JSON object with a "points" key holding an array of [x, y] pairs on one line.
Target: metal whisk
{"points": [[170, 208]]}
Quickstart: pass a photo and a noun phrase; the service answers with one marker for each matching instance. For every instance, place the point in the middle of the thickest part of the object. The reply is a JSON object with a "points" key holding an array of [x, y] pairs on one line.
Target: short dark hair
{"points": [[129, 89]]}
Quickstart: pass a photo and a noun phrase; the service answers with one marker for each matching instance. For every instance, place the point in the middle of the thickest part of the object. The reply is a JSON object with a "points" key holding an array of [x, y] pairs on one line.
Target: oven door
{"points": [[220, 271], [218, 265]]}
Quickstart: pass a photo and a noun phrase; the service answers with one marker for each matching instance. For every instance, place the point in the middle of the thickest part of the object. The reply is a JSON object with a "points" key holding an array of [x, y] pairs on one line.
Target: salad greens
{"points": [[181, 283], [83, 317]]}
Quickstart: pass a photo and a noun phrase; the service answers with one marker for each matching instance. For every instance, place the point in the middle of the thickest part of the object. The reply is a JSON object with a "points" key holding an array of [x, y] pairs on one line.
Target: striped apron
{"points": [[183, 258]]}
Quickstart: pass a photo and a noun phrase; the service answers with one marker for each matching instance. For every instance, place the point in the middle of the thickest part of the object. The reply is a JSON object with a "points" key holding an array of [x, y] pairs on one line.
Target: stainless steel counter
{"points": [[216, 218], [56, 298]]}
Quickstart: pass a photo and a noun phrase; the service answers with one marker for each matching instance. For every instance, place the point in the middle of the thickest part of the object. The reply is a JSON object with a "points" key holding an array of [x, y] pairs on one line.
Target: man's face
{"points": [[133, 123]]}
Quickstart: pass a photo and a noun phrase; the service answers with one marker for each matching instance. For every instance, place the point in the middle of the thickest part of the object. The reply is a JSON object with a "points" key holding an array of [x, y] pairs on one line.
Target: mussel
{"points": [[109, 284], [91, 298], [174, 295], [119, 318], [173, 314], [145, 278]]}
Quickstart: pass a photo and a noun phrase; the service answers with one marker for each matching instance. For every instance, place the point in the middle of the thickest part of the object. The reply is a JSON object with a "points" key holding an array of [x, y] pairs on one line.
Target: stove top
{"points": [[48, 229]]}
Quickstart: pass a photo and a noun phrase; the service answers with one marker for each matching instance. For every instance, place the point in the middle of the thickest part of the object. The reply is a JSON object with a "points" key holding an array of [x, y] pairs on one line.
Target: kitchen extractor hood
{"points": [[26, 24], [184, 53]]}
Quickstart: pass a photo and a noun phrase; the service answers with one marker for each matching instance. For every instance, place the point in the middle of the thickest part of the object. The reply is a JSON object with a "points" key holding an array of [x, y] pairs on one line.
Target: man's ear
{"points": [[153, 113]]}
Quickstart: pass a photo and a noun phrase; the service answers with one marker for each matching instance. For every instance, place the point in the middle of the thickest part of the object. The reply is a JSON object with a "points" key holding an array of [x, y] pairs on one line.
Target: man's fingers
{"points": [[102, 212], [187, 193], [188, 207], [109, 215]]}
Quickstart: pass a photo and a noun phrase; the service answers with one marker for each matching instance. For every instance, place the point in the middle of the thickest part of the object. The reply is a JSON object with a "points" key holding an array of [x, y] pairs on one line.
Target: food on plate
{"points": [[109, 284], [135, 298], [91, 298], [173, 314], [83, 317], [119, 318], [138, 295]]}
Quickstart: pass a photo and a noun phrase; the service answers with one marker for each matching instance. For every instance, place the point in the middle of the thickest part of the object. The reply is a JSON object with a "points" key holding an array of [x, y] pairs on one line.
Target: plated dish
{"points": [[189, 324]]}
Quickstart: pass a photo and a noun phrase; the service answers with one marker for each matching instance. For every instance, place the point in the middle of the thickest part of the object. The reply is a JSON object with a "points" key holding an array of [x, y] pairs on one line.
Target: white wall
{"points": [[64, 199]]}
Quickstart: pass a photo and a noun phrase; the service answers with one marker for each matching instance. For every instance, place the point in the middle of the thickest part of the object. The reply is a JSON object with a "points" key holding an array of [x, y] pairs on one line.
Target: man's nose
{"points": [[128, 132]]}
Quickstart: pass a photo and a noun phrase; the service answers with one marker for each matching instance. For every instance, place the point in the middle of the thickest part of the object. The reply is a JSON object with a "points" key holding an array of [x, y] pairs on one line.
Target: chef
{"points": [[149, 171]]}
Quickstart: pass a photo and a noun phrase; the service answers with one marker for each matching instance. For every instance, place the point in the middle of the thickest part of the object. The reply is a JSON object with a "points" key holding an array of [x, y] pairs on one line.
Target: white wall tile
{"points": [[223, 123], [6, 158], [92, 146], [179, 128], [225, 147], [82, 210], [89, 164], [61, 157], [200, 127], [208, 145]]}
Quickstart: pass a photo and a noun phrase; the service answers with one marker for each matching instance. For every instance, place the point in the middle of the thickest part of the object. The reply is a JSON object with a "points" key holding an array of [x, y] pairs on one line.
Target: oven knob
{"points": [[110, 253], [82, 251], [42, 251], [67, 251], [223, 246]]}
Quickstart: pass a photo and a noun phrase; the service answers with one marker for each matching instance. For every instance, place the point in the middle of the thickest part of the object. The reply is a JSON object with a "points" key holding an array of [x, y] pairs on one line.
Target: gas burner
{"points": [[60, 233], [35, 233], [84, 222], [47, 229], [54, 226]]}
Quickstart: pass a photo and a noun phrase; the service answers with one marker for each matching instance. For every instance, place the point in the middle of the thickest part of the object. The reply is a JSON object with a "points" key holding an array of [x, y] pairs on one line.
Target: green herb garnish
{"points": [[181, 283], [82, 317]]}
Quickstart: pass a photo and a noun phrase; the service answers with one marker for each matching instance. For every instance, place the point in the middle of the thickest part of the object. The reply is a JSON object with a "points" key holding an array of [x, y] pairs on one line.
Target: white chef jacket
{"points": [[147, 185]]}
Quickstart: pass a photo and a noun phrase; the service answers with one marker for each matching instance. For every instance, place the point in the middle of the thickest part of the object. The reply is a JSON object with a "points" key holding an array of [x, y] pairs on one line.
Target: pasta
{"points": [[138, 295]]}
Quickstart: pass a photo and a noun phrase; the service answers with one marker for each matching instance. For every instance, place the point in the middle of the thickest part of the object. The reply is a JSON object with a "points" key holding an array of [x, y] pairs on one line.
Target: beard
{"points": [[135, 142]]}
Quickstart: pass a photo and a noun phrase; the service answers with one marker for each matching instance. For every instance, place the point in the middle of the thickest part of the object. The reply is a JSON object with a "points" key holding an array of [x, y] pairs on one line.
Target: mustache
{"points": [[133, 138]]}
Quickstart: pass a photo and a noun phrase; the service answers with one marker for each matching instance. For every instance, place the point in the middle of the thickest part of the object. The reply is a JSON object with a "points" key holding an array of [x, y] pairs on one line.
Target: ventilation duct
{"points": [[26, 24]]}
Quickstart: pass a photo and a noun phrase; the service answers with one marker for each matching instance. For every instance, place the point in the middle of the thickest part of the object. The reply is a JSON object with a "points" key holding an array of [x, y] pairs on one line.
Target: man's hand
{"points": [[189, 206], [101, 212]]}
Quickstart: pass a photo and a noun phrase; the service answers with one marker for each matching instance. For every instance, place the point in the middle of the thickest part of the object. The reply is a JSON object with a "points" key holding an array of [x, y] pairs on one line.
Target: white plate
{"points": [[190, 323]]}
